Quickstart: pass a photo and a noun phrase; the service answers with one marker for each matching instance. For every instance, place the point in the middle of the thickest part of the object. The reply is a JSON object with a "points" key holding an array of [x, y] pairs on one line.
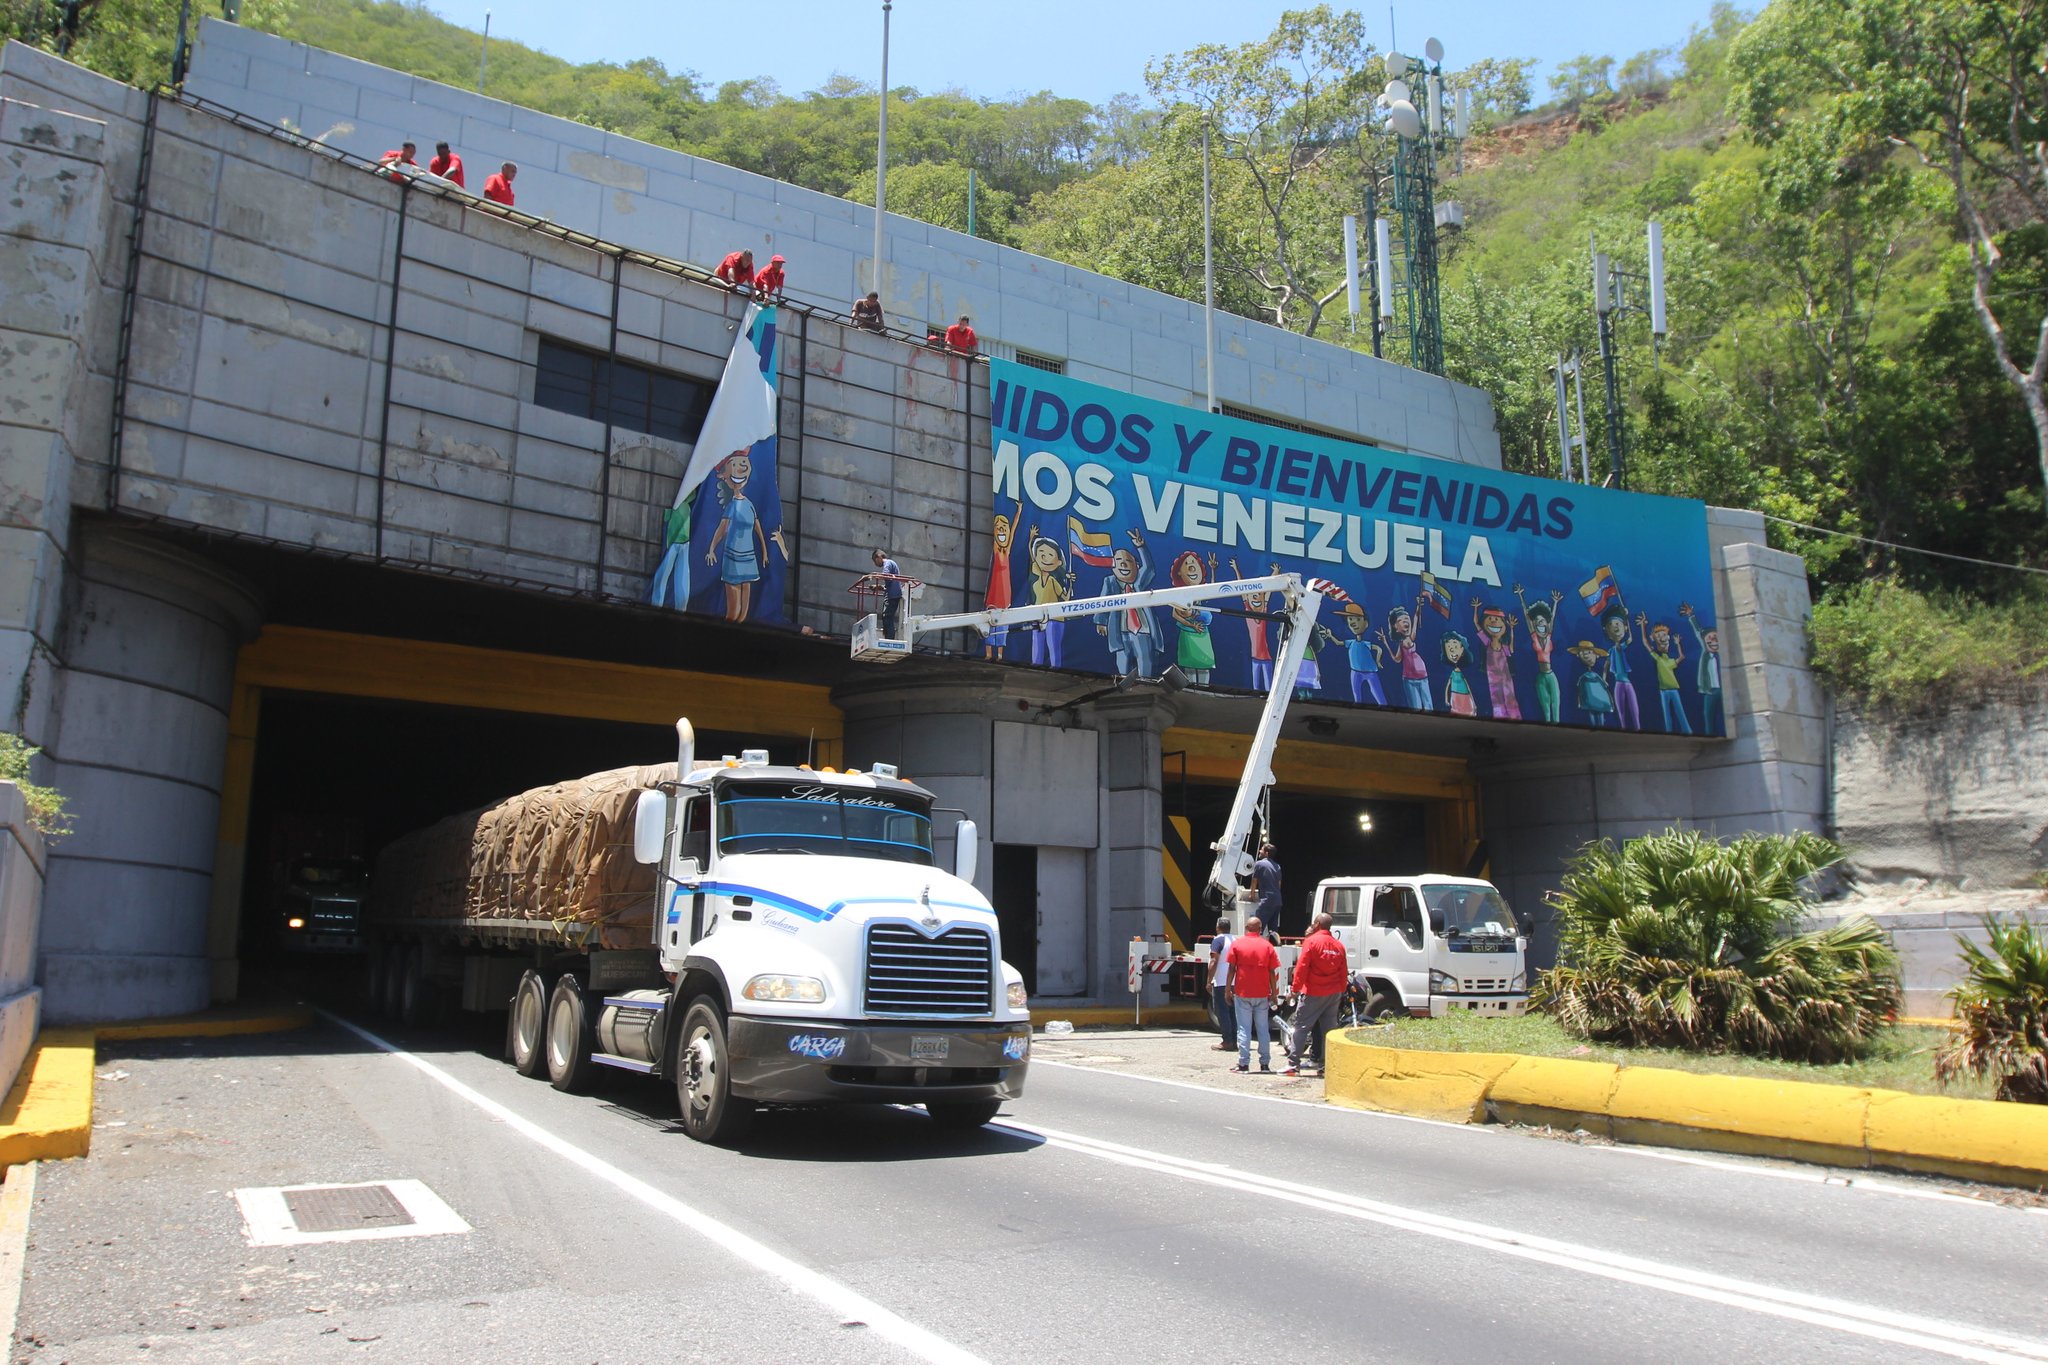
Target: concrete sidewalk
{"points": [[47, 1115]]}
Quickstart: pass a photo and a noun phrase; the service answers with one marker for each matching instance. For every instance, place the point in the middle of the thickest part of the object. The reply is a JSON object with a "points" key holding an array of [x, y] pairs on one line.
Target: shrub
{"points": [[1680, 940], [1903, 650], [45, 804], [2002, 1005]]}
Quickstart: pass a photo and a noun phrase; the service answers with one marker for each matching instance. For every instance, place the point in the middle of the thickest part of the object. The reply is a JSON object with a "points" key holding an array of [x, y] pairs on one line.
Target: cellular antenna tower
{"points": [[1427, 122]]}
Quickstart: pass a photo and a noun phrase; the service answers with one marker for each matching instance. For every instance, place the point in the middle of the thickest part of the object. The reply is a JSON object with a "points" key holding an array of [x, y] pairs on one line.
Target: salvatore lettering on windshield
{"points": [[831, 794]]}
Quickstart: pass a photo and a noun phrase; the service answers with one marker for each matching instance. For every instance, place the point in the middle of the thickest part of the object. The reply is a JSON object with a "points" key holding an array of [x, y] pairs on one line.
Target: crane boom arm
{"points": [[1301, 602]]}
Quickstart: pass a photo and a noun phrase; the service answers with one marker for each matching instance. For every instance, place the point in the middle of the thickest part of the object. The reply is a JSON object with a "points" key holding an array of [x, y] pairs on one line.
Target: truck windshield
{"points": [[806, 817], [1471, 911]]}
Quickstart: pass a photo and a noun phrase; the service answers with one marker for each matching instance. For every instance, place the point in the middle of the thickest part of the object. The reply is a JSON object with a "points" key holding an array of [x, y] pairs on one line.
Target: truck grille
{"points": [[911, 973]]}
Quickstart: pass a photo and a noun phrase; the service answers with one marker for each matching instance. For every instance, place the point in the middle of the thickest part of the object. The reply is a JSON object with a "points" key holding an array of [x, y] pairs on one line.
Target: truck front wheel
{"points": [[703, 1069], [571, 1036], [528, 1023]]}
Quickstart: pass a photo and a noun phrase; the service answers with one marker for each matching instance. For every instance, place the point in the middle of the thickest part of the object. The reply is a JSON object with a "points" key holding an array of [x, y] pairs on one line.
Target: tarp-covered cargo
{"points": [[562, 853]]}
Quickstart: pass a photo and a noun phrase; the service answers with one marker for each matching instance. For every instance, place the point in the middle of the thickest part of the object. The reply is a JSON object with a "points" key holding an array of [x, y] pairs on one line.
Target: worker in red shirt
{"points": [[737, 269], [402, 156], [498, 188], [1255, 986], [446, 164], [1321, 974], [768, 284], [961, 337]]}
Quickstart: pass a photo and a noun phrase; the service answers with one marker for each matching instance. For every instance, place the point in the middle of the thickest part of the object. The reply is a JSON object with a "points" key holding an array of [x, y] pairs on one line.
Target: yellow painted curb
{"points": [[1947, 1022], [1835, 1125], [1437, 1085], [48, 1113], [1555, 1091]]}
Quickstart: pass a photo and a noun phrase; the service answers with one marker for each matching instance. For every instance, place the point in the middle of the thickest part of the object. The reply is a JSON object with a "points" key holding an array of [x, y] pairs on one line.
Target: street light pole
{"points": [[1208, 277], [882, 150]]}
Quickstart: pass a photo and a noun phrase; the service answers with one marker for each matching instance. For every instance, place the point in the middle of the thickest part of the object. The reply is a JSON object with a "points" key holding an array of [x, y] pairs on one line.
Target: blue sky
{"points": [[992, 49]]}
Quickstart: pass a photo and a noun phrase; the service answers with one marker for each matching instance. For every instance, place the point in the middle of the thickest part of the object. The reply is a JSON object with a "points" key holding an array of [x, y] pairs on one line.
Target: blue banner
{"points": [[1450, 587], [724, 550]]}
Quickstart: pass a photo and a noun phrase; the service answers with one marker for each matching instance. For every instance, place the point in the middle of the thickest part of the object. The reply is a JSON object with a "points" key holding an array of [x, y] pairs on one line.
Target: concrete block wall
{"points": [[691, 209], [1769, 776], [21, 916], [67, 152]]}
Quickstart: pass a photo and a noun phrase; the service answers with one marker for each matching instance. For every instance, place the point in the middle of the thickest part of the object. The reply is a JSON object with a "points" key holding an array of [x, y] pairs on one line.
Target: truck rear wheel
{"points": [[703, 1070], [963, 1115], [415, 988], [570, 1037], [528, 1024]]}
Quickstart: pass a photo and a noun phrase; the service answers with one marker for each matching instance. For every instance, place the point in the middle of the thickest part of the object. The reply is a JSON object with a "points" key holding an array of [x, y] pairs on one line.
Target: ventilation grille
{"points": [[948, 976]]}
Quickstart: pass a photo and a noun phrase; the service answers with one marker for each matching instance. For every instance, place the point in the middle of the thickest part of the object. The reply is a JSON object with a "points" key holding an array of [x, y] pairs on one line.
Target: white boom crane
{"points": [[1297, 615]]}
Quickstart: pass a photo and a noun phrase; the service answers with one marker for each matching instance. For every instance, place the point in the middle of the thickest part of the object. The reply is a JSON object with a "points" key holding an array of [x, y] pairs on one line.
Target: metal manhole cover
{"points": [[293, 1215], [339, 1208]]}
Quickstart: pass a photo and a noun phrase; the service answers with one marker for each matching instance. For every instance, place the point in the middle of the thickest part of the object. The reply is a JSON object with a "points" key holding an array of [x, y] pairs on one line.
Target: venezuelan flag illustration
{"points": [[1437, 594], [1090, 547], [1599, 590]]}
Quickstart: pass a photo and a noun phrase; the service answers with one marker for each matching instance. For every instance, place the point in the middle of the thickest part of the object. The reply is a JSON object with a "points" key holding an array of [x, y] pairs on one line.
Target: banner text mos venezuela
{"points": [[1449, 587]]}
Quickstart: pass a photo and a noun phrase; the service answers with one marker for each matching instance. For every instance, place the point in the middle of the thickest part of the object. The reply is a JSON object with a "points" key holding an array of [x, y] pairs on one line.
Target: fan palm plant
{"points": [[1680, 940], [2002, 1005]]}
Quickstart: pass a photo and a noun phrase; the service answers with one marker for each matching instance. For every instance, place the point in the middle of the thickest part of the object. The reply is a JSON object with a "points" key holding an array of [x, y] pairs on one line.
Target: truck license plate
{"points": [[925, 1047]]}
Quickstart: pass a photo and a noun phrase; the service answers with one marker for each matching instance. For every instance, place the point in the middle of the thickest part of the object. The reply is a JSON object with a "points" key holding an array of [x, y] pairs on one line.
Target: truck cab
{"points": [[1429, 945], [320, 906], [817, 950]]}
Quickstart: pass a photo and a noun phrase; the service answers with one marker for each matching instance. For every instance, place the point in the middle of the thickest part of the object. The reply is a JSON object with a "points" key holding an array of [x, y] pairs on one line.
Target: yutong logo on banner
{"points": [[1457, 588]]}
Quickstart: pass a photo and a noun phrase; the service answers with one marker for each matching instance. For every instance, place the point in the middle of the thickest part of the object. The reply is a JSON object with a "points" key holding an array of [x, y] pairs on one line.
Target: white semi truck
{"points": [[754, 933]]}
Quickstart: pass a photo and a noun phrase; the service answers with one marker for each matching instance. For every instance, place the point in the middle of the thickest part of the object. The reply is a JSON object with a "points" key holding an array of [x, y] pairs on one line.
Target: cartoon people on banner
{"points": [[739, 547], [1465, 675], [1196, 656]]}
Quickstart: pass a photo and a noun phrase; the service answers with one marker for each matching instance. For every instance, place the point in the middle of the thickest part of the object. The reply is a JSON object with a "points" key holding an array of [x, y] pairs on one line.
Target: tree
{"points": [[1582, 78], [936, 192], [1496, 90], [1291, 113], [1959, 84]]}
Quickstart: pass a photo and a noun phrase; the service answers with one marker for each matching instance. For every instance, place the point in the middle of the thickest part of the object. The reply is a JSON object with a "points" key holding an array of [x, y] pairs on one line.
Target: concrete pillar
{"points": [[1133, 815], [148, 654]]}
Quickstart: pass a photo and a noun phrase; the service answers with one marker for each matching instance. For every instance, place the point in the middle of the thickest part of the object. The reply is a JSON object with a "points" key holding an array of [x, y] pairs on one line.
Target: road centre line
{"points": [[1849, 1180], [847, 1303], [1905, 1329]]}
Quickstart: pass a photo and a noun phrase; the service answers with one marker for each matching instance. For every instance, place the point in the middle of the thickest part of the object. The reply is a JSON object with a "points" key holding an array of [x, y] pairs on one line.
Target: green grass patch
{"points": [[1900, 1057]]}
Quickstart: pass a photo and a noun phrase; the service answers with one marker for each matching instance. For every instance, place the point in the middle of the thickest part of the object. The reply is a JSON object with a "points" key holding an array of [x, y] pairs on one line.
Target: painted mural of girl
{"points": [[1541, 618], [1000, 591], [1050, 582], [1457, 692], [1414, 668], [1196, 655], [1627, 710], [1497, 636], [740, 533]]}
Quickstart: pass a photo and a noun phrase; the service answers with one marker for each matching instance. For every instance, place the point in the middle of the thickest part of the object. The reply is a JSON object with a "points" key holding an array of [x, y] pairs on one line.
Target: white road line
{"points": [[1840, 1178], [1865, 1320], [848, 1304]]}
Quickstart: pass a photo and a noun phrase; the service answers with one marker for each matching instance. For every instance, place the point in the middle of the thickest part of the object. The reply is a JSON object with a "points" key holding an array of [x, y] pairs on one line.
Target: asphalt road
{"points": [[1105, 1217]]}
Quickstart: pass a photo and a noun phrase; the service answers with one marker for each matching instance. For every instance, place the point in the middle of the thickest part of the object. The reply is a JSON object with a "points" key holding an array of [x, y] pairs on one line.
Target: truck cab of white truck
{"points": [[1429, 945], [816, 951]]}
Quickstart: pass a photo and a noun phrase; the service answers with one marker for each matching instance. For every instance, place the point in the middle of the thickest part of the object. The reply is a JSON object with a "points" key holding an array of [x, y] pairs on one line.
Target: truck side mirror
{"points": [[966, 850], [650, 827], [1436, 922]]}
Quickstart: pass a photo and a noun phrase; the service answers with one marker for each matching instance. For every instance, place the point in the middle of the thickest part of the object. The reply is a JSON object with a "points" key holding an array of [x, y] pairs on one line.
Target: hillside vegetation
{"points": [[1831, 273]]}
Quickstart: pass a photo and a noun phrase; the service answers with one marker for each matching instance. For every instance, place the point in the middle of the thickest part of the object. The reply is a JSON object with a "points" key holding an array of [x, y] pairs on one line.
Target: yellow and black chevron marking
{"points": [[1177, 898]]}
